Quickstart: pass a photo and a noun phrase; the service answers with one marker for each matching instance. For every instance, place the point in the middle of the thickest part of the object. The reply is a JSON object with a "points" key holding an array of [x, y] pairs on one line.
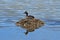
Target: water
{"points": [[47, 10]]}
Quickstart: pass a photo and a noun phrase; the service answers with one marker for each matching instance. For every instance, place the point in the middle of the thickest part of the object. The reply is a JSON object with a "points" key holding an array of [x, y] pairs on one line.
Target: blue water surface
{"points": [[12, 11]]}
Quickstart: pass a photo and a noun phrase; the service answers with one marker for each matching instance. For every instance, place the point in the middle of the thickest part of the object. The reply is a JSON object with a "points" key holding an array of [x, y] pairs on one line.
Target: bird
{"points": [[28, 16], [30, 23]]}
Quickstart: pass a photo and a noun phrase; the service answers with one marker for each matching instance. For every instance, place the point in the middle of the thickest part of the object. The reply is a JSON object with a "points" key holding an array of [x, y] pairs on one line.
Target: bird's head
{"points": [[26, 13]]}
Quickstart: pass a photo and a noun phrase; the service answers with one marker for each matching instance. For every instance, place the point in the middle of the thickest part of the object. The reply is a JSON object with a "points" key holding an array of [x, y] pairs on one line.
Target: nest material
{"points": [[30, 24]]}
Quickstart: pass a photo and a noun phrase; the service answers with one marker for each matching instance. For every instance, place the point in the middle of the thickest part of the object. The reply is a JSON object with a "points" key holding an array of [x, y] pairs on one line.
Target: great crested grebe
{"points": [[28, 16]]}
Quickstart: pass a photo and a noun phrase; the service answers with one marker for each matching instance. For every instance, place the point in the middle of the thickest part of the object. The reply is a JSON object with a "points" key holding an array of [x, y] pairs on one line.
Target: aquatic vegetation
{"points": [[30, 23]]}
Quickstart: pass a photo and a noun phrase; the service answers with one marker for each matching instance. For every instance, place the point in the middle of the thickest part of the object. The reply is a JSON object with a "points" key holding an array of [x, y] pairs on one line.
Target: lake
{"points": [[12, 11]]}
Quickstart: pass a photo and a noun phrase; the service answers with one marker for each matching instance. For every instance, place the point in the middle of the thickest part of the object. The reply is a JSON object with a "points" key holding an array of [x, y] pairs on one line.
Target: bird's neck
{"points": [[26, 14]]}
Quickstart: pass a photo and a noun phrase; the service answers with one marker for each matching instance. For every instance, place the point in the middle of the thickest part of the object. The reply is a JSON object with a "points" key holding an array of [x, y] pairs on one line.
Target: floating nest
{"points": [[30, 24]]}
